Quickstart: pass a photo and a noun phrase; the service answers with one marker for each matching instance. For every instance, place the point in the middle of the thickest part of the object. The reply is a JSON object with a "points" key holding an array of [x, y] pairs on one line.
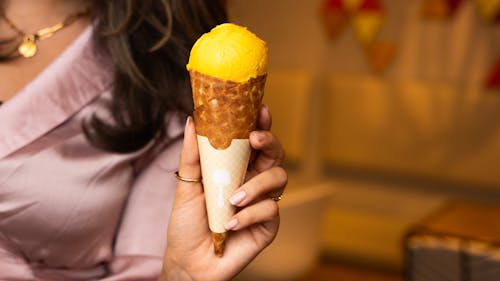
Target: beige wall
{"points": [[427, 116], [289, 27]]}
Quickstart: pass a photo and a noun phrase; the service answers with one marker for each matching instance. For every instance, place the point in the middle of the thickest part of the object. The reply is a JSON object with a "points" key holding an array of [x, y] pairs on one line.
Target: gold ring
{"points": [[277, 198], [177, 176]]}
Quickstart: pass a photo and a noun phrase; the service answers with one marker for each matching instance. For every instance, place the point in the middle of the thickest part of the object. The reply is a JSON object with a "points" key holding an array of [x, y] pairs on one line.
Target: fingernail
{"points": [[237, 198], [188, 120], [265, 108], [231, 224]]}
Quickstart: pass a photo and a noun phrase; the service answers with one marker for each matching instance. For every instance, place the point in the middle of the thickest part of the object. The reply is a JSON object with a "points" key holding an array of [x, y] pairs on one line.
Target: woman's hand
{"points": [[190, 254]]}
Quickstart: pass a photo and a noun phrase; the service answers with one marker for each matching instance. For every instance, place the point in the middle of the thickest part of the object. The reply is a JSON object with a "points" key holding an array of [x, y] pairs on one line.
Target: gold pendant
{"points": [[28, 48]]}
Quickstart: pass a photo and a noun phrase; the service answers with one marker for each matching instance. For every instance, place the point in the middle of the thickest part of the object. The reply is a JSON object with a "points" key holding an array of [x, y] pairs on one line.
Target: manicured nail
{"points": [[238, 197], [188, 120], [265, 108], [231, 224], [266, 111]]}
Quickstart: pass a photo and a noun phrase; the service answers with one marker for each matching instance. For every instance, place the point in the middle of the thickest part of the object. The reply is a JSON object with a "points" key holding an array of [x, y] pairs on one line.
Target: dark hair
{"points": [[149, 42]]}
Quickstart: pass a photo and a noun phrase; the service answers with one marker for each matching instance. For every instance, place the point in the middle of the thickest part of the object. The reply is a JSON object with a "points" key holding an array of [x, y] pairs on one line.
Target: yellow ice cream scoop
{"points": [[229, 52]]}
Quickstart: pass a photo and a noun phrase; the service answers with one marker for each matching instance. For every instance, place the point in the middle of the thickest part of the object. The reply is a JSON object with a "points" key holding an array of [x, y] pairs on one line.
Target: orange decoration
{"points": [[380, 55], [367, 21], [439, 9], [366, 18], [334, 17], [371, 5], [351, 5]]}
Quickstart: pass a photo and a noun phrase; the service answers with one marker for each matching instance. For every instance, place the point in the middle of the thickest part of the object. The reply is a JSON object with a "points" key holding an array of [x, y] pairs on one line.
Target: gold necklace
{"points": [[28, 48]]}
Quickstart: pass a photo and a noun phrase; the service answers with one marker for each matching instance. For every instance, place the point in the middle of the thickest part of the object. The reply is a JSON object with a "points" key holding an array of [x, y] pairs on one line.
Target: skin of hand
{"points": [[189, 254]]}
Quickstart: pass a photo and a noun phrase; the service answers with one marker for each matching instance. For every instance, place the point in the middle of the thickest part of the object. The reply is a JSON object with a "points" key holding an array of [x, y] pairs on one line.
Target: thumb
{"points": [[189, 163]]}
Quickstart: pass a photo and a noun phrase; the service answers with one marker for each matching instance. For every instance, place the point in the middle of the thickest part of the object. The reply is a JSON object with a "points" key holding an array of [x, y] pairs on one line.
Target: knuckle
{"points": [[281, 173], [268, 138], [273, 209], [247, 217]]}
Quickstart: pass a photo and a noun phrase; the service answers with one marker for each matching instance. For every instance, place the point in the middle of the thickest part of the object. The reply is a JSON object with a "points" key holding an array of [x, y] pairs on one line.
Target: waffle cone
{"points": [[223, 171], [225, 113], [225, 110]]}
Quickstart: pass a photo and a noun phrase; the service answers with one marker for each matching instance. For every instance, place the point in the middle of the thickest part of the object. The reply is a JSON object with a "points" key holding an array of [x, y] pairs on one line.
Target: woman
{"points": [[94, 94]]}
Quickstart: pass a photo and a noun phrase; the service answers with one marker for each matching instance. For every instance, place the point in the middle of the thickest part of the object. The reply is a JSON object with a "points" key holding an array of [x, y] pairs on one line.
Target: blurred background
{"points": [[389, 112]]}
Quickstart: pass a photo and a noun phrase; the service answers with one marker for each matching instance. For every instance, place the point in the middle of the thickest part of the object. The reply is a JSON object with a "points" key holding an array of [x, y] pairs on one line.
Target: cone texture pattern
{"points": [[225, 110], [225, 113], [223, 172]]}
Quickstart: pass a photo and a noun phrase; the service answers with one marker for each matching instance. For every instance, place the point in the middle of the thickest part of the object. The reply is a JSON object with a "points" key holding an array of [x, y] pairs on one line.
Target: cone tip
{"points": [[219, 240]]}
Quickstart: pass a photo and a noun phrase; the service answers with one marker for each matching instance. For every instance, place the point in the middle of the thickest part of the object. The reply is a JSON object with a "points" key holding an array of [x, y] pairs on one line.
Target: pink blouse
{"points": [[69, 211]]}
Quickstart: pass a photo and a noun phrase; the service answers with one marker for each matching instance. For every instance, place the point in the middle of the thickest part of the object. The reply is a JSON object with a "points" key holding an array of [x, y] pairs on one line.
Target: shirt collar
{"points": [[71, 81]]}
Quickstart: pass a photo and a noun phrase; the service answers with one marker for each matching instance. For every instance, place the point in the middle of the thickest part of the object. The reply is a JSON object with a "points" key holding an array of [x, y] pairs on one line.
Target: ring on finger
{"points": [[177, 176], [277, 198]]}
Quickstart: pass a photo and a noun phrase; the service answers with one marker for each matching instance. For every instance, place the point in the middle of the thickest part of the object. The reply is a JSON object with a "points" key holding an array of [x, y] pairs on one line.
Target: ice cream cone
{"points": [[225, 114], [227, 67]]}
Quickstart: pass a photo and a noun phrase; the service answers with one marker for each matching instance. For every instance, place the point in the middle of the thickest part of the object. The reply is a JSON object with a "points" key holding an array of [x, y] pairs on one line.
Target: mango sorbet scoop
{"points": [[228, 68]]}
